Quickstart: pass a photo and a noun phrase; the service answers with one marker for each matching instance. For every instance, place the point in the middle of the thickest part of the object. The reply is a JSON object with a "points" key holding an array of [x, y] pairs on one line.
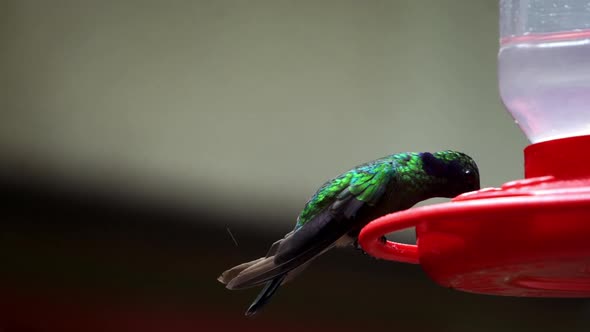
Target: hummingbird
{"points": [[341, 207]]}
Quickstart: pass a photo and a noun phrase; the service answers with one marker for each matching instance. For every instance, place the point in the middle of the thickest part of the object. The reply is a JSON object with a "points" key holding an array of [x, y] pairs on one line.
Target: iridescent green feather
{"points": [[366, 182], [324, 197], [369, 180]]}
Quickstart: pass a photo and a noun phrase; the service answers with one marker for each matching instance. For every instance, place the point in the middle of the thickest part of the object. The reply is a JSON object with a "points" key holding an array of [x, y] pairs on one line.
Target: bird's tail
{"points": [[265, 294], [249, 274], [233, 277], [227, 276]]}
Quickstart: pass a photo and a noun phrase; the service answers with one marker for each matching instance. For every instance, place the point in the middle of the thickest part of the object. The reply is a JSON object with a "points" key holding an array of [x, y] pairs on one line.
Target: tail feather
{"points": [[264, 296], [240, 277], [232, 273], [232, 277], [266, 271]]}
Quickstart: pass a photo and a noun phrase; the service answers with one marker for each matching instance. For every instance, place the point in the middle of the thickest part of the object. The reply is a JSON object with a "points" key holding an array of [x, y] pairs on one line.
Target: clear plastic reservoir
{"points": [[544, 66]]}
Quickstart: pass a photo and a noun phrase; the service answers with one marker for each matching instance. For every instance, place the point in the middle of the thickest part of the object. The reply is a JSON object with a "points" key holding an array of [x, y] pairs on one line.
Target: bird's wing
{"points": [[318, 229]]}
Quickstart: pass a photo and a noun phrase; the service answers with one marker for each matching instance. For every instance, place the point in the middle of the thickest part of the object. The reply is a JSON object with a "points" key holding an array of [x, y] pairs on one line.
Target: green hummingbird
{"points": [[336, 213]]}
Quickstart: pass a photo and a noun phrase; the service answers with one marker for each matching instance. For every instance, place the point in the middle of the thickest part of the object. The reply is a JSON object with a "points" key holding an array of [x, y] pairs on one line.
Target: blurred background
{"points": [[136, 135]]}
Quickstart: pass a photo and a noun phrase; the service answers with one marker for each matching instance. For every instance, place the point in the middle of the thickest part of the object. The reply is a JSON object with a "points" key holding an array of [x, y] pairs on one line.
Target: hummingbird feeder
{"points": [[530, 237]]}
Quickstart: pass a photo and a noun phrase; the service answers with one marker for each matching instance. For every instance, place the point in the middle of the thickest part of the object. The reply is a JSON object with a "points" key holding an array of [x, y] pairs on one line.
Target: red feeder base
{"points": [[528, 238]]}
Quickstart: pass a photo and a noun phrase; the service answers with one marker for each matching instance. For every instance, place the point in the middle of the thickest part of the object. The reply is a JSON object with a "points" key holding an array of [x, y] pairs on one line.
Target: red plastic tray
{"points": [[529, 238]]}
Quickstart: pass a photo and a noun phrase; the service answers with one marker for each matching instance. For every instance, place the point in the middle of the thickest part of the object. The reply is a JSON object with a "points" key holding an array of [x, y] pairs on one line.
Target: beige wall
{"points": [[254, 103]]}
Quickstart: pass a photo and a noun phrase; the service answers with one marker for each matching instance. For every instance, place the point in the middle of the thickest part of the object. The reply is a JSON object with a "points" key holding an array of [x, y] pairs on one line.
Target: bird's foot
{"points": [[357, 246]]}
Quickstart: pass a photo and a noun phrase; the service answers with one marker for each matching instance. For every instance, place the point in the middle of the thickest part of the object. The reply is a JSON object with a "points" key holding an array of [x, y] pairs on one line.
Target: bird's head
{"points": [[453, 171]]}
